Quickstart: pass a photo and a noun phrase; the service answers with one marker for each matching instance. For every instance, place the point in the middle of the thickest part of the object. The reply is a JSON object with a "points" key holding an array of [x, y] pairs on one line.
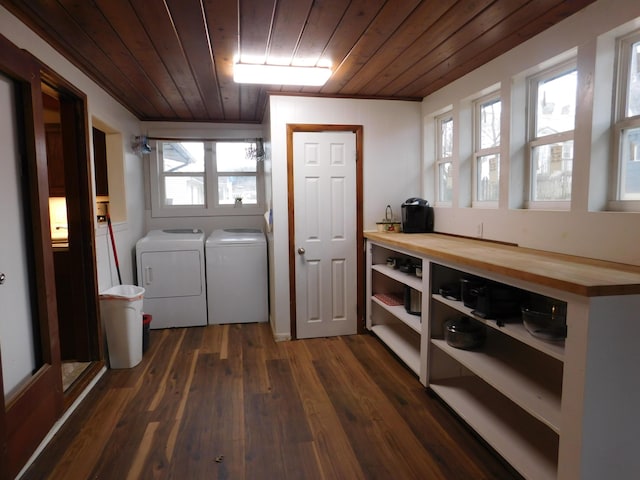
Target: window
{"points": [[627, 126], [487, 149], [236, 170], [192, 178], [552, 106], [182, 177], [444, 157]]}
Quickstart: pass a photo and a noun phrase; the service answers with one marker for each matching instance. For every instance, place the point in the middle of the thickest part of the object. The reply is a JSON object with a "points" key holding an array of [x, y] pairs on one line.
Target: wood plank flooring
{"points": [[227, 402]]}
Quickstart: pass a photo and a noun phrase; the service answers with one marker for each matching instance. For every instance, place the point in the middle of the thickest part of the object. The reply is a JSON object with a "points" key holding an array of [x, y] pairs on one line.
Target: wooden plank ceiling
{"points": [[173, 59]]}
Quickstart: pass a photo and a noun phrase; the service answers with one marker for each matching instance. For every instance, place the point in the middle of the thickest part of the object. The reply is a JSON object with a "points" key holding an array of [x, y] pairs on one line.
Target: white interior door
{"points": [[16, 327], [325, 233]]}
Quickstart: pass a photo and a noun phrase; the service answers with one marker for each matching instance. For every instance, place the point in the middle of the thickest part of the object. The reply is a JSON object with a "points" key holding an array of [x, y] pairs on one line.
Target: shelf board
{"points": [[403, 342], [526, 444], [406, 278], [528, 382], [398, 311], [513, 329]]}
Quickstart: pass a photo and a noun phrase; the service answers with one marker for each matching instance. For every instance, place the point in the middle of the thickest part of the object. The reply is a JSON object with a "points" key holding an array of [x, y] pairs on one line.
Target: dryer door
{"points": [[171, 274]]}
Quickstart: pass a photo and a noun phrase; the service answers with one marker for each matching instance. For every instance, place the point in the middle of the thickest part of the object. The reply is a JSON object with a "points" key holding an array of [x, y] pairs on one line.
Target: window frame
{"points": [[622, 123], [211, 206], [533, 140], [479, 152], [441, 159]]}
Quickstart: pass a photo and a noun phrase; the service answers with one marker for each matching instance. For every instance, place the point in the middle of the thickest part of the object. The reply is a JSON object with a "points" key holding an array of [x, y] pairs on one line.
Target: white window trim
{"points": [[621, 123], [440, 160], [211, 207], [534, 141], [483, 152]]}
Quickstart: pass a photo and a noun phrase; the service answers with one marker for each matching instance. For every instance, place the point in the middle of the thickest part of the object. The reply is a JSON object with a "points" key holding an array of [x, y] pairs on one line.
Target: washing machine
{"points": [[237, 276], [171, 268]]}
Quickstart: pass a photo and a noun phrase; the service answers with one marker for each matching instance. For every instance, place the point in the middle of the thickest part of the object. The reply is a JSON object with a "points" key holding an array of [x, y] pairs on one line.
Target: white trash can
{"points": [[121, 311]]}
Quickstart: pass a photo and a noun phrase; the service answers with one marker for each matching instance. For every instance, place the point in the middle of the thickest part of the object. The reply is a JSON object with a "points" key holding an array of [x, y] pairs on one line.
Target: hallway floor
{"points": [[226, 401]]}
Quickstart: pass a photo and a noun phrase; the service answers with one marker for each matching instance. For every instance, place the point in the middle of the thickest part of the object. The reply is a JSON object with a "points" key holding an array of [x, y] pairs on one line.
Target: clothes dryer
{"points": [[171, 268], [237, 276]]}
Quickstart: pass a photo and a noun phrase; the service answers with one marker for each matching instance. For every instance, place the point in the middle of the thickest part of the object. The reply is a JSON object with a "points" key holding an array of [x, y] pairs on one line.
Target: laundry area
{"points": [[171, 268], [186, 280], [190, 280]]}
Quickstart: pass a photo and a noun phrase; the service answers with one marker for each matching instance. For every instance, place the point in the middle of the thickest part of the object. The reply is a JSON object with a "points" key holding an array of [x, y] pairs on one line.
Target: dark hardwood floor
{"points": [[228, 402]]}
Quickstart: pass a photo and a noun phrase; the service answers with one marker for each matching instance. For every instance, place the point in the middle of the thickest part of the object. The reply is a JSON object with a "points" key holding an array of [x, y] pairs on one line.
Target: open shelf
{"points": [[513, 329], [406, 278], [529, 381], [530, 447], [402, 341], [398, 311], [525, 396]]}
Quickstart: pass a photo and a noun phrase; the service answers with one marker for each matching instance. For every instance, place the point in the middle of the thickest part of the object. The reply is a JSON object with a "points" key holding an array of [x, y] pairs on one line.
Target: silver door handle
{"points": [[3, 277], [301, 251], [148, 275]]}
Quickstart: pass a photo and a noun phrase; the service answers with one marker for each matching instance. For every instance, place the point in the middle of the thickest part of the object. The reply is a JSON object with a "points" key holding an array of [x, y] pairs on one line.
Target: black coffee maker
{"points": [[417, 216]]}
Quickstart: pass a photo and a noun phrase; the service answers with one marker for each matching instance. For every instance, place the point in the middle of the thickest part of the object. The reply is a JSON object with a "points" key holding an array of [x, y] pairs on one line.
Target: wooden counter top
{"points": [[579, 275]]}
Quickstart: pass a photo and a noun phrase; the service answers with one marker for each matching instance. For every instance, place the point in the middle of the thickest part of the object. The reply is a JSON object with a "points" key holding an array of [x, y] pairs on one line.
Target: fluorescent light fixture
{"points": [[280, 74]]}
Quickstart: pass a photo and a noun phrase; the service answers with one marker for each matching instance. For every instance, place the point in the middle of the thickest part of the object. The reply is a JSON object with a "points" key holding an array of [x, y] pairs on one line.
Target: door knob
{"points": [[2, 278], [301, 251]]}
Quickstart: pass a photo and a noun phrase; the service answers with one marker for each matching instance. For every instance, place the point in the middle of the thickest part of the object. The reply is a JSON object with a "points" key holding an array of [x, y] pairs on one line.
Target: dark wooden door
{"points": [[79, 328], [34, 404], [55, 160]]}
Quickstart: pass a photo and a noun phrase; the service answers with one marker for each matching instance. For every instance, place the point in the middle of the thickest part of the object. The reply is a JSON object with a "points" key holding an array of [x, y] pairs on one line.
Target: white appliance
{"points": [[171, 268], [237, 276]]}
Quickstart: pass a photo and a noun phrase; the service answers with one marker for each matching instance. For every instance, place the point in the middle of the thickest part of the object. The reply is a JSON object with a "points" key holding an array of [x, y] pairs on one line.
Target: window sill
{"points": [[625, 206], [559, 205], [226, 211]]}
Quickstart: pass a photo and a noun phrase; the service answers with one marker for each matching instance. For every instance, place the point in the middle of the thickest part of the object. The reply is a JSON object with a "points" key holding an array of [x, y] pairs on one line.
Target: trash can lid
{"points": [[123, 292]]}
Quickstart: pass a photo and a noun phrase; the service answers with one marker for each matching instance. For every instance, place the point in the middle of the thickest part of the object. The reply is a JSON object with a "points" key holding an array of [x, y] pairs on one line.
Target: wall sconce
{"points": [[141, 145]]}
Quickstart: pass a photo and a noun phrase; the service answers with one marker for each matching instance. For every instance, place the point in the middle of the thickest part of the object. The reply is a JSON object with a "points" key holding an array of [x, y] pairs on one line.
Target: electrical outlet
{"points": [[480, 229]]}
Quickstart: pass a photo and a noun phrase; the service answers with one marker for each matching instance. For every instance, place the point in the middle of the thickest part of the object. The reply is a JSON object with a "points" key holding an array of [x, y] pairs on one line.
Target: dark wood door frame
{"points": [[358, 131], [87, 338], [31, 413], [83, 327]]}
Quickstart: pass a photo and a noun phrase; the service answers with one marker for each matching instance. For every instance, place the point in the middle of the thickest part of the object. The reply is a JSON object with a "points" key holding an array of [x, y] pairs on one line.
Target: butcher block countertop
{"points": [[579, 275]]}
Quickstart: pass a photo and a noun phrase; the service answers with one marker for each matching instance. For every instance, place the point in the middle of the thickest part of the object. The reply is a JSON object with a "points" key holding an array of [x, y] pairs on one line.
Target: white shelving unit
{"points": [[515, 330], [502, 368], [399, 276], [400, 330], [525, 443], [404, 344], [508, 389], [554, 410], [401, 314]]}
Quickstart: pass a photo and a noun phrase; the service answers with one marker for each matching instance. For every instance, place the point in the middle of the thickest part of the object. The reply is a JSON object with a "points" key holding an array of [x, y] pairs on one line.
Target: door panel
{"points": [[170, 274], [16, 328], [325, 233], [339, 289], [32, 406]]}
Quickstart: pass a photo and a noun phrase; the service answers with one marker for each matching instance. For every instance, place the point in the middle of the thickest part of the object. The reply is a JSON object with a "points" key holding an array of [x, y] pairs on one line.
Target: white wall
{"points": [[391, 137], [103, 107], [585, 229]]}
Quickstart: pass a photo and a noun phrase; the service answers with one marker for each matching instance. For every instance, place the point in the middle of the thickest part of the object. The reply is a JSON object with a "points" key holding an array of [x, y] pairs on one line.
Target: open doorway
{"points": [[72, 234]]}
